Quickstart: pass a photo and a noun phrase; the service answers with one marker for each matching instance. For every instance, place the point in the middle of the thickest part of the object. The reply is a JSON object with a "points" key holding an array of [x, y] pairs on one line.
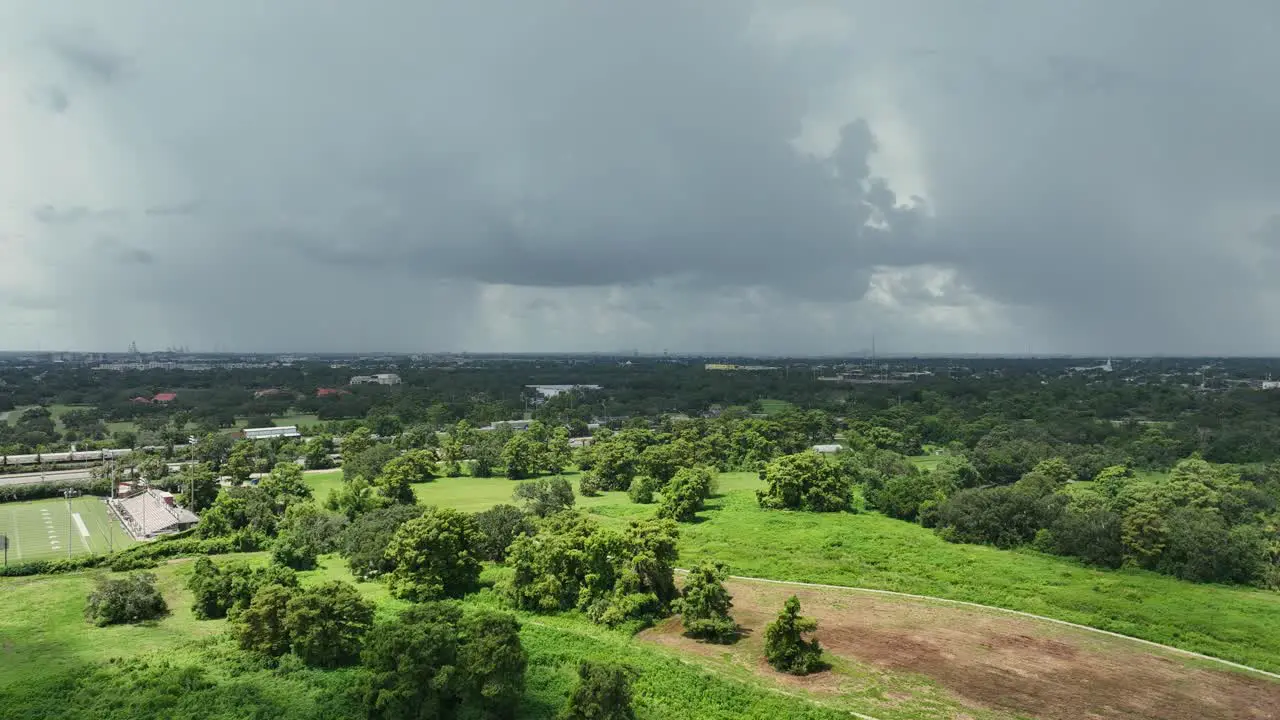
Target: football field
{"points": [[47, 530]]}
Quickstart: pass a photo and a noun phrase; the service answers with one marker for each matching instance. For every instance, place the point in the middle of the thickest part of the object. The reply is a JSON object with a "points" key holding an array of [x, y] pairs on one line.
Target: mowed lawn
{"points": [[46, 530]]}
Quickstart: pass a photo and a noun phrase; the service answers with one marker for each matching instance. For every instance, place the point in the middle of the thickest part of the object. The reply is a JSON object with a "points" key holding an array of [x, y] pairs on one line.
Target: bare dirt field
{"points": [[962, 660]]}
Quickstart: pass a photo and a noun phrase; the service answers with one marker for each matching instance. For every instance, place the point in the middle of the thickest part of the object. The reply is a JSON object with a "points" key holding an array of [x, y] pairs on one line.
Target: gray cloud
{"points": [[87, 55], [762, 176], [50, 97]]}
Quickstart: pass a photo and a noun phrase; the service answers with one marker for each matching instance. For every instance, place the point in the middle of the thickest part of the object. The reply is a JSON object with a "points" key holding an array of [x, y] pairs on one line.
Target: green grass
{"points": [[38, 530], [55, 665], [874, 551], [770, 406]]}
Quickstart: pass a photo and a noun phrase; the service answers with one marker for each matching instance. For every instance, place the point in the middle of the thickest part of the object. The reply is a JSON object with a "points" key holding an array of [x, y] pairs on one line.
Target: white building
{"points": [[266, 433], [379, 379], [828, 449], [550, 391]]}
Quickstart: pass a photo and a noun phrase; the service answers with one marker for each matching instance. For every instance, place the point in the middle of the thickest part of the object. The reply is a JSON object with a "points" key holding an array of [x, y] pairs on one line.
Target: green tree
{"points": [[704, 604], [305, 533], [241, 463], [784, 645], [395, 482], [435, 662], [614, 464], [367, 463], [804, 481], [435, 556], [354, 498], [493, 663], [364, 542], [501, 525], [131, 599], [522, 456], [603, 692], [559, 453], [239, 509], [285, 484], [326, 624], [316, 452], [356, 442], [661, 462], [544, 496], [685, 495], [1047, 477], [263, 627], [413, 664], [198, 485]]}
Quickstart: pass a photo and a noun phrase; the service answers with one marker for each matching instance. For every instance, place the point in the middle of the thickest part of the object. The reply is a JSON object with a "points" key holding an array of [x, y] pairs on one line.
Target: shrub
{"points": [[784, 645], [590, 484], [641, 490], [130, 599], [603, 692]]}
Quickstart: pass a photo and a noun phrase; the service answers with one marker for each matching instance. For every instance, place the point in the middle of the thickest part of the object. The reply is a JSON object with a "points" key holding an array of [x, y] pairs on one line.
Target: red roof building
{"points": [[164, 397], [329, 392]]}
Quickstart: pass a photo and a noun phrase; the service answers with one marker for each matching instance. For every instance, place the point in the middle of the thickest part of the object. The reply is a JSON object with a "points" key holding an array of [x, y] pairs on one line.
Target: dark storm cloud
{"points": [[1092, 178]]}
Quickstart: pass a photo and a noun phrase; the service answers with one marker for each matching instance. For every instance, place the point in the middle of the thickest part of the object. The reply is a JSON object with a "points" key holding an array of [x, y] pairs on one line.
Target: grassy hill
{"points": [[874, 551]]}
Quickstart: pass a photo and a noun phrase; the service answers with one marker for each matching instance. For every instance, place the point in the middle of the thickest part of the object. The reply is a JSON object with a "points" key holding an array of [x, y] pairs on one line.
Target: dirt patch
{"points": [[988, 660]]}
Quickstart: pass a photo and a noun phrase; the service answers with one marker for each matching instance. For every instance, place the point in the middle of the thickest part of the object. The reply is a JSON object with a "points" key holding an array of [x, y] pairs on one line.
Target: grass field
{"points": [[46, 530], [874, 551], [770, 406], [180, 667]]}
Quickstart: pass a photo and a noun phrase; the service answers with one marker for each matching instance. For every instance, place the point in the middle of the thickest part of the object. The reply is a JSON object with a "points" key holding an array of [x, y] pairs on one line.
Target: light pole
{"points": [[69, 493]]}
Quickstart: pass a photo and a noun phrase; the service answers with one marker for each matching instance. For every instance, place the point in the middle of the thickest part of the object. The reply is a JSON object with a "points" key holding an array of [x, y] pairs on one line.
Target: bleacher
{"points": [[149, 513]]}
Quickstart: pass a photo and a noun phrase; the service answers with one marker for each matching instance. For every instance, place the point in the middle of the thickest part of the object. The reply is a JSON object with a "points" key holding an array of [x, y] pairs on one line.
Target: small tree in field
{"points": [[603, 693], [704, 604], [130, 599], [784, 645], [641, 490], [544, 496]]}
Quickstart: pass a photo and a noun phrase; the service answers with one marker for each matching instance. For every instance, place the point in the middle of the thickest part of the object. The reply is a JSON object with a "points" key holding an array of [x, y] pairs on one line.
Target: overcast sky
{"points": [[706, 176]]}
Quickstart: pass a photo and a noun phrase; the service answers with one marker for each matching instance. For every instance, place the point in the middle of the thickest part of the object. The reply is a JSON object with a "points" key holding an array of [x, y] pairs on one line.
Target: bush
{"points": [[641, 490], [590, 484], [603, 692], [219, 591], [501, 525], [784, 645], [133, 598]]}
